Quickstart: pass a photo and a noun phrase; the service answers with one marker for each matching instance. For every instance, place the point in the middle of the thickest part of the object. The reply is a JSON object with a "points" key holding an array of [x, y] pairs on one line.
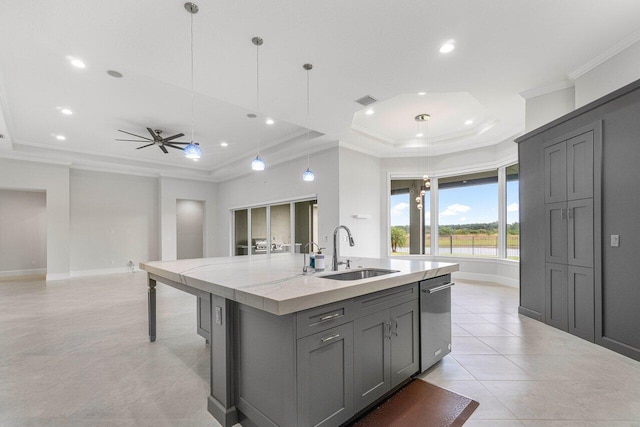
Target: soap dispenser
{"points": [[319, 260]]}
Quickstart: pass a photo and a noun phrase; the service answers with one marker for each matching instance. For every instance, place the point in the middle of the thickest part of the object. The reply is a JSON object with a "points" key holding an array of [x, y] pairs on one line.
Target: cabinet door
{"points": [[555, 173], [580, 166], [372, 376], [325, 377], [555, 233], [405, 329], [556, 296], [580, 250], [581, 302]]}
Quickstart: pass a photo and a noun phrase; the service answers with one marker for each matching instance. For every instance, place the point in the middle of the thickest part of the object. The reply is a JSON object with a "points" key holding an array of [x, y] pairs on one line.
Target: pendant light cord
{"points": [[308, 124], [258, 93], [193, 120]]}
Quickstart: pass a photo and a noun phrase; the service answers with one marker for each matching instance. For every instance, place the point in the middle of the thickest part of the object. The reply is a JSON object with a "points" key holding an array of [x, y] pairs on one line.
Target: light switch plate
{"points": [[615, 240]]}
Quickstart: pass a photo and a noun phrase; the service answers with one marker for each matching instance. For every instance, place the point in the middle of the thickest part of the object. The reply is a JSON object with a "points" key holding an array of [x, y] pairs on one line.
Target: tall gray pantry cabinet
{"points": [[578, 187]]}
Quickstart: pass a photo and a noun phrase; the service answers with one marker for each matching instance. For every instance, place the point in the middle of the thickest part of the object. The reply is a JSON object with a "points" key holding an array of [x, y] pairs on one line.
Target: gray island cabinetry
{"points": [[299, 350]]}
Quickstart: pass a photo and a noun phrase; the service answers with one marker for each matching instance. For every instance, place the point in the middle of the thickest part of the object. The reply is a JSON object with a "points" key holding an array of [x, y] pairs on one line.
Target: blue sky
{"points": [[464, 205]]}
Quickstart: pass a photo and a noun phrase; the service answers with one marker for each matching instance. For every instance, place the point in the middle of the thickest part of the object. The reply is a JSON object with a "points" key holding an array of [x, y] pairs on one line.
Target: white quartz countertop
{"points": [[277, 285]]}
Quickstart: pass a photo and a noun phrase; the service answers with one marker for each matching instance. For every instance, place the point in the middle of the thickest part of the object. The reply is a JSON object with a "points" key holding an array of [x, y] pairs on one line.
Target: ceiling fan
{"points": [[156, 139]]}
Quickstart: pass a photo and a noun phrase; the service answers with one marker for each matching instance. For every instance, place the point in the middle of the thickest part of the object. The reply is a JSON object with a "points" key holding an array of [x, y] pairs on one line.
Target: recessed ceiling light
{"points": [[468, 122], [224, 144], [78, 63], [66, 111], [447, 47], [422, 93], [269, 121], [369, 112], [419, 135], [114, 73], [61, 137]]}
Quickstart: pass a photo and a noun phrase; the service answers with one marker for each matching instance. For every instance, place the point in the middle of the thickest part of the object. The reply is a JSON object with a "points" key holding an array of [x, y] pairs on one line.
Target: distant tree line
{"points": [[487, 228]]}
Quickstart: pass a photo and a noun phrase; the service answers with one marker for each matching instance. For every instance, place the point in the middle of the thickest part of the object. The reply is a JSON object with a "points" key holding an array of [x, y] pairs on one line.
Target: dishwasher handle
{"points": [[438, 288]]}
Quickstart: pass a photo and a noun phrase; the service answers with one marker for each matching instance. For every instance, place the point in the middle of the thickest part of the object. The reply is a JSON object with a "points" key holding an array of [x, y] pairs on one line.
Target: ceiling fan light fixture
{"points": [[257, 164], [192, 151]]}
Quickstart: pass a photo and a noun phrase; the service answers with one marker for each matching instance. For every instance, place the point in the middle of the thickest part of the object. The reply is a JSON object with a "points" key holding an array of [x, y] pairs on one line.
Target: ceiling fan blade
{"points": [[178, 142], [173, 146], [132, 140], [139, 136], [153, 134], [148, 145], [164, 149], [178, 135]]}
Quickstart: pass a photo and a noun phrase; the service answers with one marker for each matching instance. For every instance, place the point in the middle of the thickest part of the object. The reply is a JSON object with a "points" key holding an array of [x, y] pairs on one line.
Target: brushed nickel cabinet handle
{"points": [[329, 317], [396, 331], [439, 288], [329, 338]]}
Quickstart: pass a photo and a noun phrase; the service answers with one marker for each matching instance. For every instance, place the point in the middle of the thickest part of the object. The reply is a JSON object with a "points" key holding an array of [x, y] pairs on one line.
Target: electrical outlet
{"points": [[615, 240]]}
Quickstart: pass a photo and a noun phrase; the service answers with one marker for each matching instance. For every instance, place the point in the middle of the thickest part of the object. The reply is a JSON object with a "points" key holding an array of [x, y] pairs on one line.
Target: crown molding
{"points": [[543, 90], [623, 44]]}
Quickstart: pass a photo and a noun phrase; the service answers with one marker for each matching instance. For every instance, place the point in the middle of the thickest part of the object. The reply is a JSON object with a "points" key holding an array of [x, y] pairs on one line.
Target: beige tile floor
{"points": [[76, 353]]}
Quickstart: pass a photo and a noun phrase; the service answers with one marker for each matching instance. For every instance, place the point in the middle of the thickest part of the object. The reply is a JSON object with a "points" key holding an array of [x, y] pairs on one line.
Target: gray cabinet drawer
{"points": [[375, 302], [324, 317]]}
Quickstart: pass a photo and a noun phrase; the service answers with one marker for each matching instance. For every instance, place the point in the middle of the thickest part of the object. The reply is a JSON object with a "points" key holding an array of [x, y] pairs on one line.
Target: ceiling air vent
{"points": [[366, 100]]}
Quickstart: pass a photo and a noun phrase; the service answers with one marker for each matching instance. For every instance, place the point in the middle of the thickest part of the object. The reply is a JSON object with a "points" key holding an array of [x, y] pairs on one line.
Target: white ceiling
{"points": [[386, 49]]}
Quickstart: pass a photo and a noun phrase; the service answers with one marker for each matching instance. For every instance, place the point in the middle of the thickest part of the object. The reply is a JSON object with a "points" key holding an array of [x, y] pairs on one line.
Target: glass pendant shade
{"points": [[192, 151], [308, 175], [257, 164]]}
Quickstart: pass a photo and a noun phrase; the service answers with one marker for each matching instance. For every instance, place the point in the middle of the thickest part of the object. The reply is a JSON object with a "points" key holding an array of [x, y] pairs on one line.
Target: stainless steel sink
{"points": [[359, 274]]}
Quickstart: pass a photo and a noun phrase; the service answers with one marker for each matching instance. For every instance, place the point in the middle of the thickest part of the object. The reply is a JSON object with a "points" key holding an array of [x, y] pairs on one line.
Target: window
{"points": [[512, 224], [269, 229], [410, 226], [468, 217]]}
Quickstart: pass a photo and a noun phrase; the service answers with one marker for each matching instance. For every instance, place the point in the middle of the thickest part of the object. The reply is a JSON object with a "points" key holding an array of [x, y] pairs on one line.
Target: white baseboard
{"points": [[101, 271], [58, 276], [481, 277], [21, 273]]}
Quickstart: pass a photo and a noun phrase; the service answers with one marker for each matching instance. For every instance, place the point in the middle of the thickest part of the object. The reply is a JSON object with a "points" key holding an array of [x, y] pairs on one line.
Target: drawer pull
{"points": [[329, 317], [439, 288], [329, 338]]}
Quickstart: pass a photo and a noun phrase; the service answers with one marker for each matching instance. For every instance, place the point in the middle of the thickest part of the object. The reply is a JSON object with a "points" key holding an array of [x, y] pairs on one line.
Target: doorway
{"points": [[23, 233], [190, 216]]}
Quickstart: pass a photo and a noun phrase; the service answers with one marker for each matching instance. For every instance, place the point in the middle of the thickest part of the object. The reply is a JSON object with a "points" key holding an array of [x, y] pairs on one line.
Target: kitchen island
{"points": [[289, 349]]}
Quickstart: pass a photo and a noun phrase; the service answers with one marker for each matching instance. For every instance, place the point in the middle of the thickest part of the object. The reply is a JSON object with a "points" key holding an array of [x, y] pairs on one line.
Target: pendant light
{"points": [[258, 164], [308, 175], [426, 181], [192, 150]]}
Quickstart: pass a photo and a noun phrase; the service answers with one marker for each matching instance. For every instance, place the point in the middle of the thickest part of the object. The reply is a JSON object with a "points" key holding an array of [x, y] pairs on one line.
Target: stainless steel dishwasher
{"points": [[435, 320]]}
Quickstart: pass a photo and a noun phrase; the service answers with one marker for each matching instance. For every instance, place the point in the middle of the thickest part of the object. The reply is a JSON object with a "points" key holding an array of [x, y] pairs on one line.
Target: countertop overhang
{"points": [[276, 284]]}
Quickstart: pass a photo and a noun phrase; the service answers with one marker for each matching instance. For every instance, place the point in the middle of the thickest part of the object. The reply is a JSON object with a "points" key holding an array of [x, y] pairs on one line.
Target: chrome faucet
{"points": [[334, 263], [305, 267]]}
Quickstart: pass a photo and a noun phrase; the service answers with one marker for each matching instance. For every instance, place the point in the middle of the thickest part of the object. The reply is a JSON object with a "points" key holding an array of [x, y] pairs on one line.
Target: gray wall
{"points": [[114, 219], [23, 232], [190, 228]]}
